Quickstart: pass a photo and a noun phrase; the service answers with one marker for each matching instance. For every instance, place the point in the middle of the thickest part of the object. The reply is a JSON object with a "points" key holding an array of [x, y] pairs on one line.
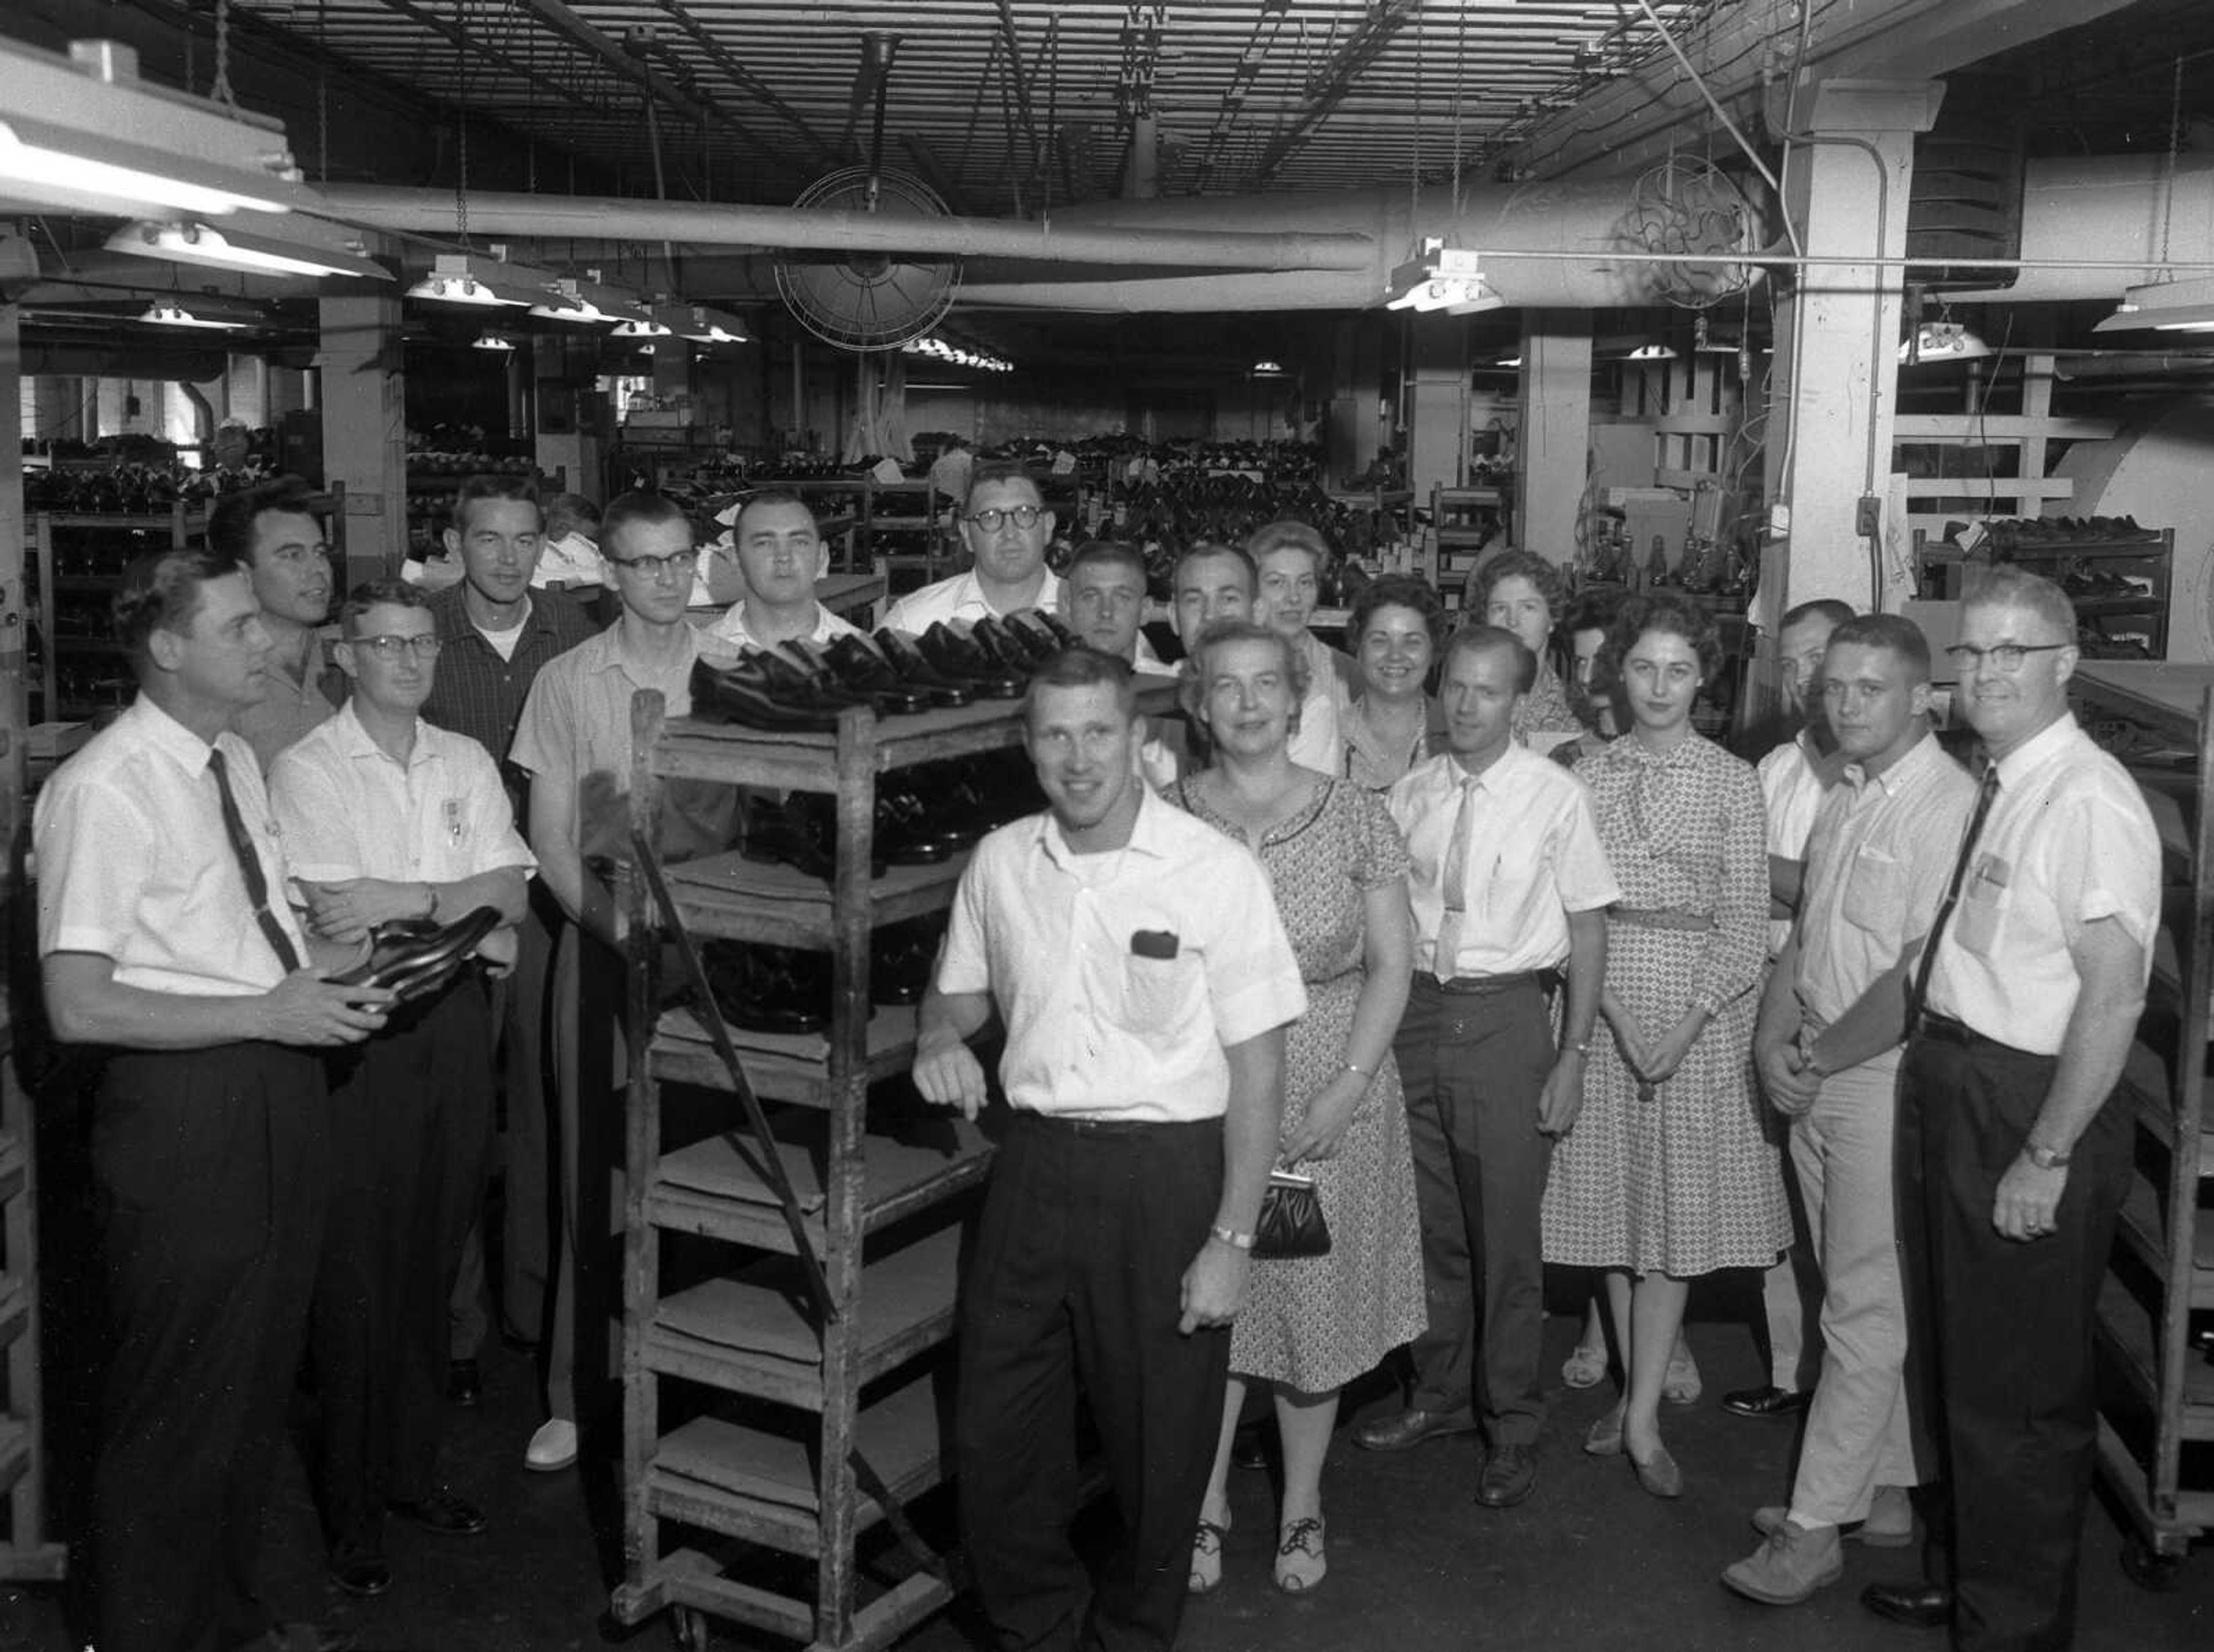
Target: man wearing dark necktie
{"points": [[162, 944], [2014, 1152]]}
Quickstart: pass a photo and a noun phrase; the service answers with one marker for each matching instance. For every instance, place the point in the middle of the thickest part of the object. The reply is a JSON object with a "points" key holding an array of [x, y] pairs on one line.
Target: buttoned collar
{"points": [[1901, 775], [356, 742], [167, 735], [1148, 832], [1499, 775], [2040, 747], [605, 652]]}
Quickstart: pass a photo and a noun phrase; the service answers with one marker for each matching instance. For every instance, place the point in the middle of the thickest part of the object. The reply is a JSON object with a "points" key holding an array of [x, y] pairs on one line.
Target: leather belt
{"points": [[1660, 917], [1945, 1029], [1107, 1126], [1479, 984]]}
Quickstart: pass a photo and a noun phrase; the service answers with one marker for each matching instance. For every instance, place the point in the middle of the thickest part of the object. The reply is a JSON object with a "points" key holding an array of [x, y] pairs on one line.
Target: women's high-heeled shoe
{"points": [[1604, 1439], [1301, 1560], [1584, 1368], [1207, 1558], [1657, 1473], [1680, 1384]]}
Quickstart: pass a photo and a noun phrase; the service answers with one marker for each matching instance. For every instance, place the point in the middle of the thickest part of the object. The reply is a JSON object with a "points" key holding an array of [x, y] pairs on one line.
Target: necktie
{"points": [[1988, 789], [249, 864], [1443, 960]]}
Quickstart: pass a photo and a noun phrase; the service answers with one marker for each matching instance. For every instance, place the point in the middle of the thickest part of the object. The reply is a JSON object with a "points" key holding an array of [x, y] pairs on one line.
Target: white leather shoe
{"points": [[554, 1447]]}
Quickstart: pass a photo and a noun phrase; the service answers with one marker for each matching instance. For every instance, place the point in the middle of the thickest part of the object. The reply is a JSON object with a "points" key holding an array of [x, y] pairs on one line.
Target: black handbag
{"points": [[1290, 1223]]}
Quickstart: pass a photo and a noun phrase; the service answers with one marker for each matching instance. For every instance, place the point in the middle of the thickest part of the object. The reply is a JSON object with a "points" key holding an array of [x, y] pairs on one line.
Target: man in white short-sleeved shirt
{"points": [[1005, 526], [384, 816], [1144, 980], [1509, 885], [2014, 1148], [781, 551]]}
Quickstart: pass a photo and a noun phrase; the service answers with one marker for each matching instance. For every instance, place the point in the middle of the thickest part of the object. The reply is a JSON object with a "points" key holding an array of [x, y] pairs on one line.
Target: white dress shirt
{"points": [[960, 597], [730, 626], [1795, 777], [1099, 1026], [1534, 857]]}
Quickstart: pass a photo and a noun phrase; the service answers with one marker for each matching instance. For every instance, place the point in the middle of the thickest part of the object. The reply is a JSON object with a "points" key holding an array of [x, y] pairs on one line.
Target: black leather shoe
{"points": [[443, 1513], [1770, 1401], [1410, 1428], [743, 695], [1510, 1474], [960, 657], [1250, 1446], [904, 658], [1917, 1604], [465, 1383], [413, 964], [359, 1571]]}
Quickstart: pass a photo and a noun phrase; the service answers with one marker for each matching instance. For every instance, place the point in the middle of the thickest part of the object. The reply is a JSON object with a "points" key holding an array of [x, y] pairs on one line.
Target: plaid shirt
{"points": [[479, 694]]}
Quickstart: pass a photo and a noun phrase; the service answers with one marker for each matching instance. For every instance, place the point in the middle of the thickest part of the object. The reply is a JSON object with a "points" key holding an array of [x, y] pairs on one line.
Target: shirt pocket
{"points": [[1159, 994], [1978, 920], [1876, 893]]}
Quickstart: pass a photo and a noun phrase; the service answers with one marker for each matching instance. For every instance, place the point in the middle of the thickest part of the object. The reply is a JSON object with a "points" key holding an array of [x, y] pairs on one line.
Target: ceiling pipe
{"points": [[2122, 205]]}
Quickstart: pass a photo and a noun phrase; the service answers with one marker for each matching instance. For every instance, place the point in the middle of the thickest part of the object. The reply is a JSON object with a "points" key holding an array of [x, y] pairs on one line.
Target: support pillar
{"points": [[1437, 408], [14, 611], [1830, 431], [1554, 440], [1355, 424], [365, 430]]}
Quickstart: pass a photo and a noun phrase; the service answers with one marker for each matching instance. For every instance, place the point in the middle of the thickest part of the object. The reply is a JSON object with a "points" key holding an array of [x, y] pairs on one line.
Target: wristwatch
{"points": [[1232, 1237], [2044, 1157]]}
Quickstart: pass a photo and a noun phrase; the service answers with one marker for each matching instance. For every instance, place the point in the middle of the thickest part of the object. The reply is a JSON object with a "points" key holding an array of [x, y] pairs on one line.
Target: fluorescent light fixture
{"points": [[83, 134], [233, 248], [1651, 353], [637, 329], [497, 342], [2164, 307], [590, 302], [484, 283], [1442, 278], [1265, 369], [1942, 341], [176, 315], [702, 325], [955, 355]]}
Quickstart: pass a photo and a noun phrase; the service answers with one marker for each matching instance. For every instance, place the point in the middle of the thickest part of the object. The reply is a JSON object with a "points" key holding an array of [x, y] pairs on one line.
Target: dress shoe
{"points": [[1657, 1473], [465, 1383], [1206, 1556], [907, 660], [1770, 1401], [1510, 1474], [554, 1447], [358, 1571], [442, 1513], [734, 694], [1301, 1560], [960, 658], [1918, 1604], [1410, 1428], [412, 964], [1679, 1383], [1250, 1446], [1789, 1566], [1604, 1439]]}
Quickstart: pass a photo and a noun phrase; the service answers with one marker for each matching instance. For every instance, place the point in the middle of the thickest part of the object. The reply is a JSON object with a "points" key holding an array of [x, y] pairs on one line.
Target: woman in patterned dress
{"points": [[1522, 592], [1339, 870], [1667, 1174], [1395, 628]]}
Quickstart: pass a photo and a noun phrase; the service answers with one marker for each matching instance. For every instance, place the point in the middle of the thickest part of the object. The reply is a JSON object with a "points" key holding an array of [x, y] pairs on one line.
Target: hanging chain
{"points": [[323, 96], [462, 127], [2175, 142], [221, 89]]}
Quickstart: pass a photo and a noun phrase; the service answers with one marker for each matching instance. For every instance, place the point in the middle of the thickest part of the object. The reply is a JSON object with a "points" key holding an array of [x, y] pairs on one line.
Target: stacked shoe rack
{"points": [[763, 1435], [2117, 574], [2157, 1379]]}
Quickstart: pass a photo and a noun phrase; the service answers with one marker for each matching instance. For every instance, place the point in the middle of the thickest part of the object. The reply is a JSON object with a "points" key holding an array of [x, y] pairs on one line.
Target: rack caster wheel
{"points": [[688, 1629], [2149, 1569]]}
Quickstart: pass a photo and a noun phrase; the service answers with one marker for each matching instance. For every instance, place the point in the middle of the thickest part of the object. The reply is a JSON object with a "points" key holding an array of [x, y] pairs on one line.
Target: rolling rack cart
{"points": [[811, 1413]]}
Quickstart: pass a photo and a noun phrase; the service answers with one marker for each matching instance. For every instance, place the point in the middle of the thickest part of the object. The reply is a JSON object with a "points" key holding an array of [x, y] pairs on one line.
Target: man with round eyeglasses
{"points": [[2014, 1149], [385, 816], [1006, 527], [574, 742]]}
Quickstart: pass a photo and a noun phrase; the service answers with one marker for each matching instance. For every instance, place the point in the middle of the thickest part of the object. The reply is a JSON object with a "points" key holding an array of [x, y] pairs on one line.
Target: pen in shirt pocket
{"points": [[454, 818]]}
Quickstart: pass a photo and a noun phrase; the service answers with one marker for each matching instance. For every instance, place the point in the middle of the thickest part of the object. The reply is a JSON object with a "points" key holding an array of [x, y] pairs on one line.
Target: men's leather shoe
{"points": [[412, 964], [1918, 1605], [1510, 1474], [465, 1383], [905, 659], [443, 1513], [1410, 1428], [960, 658], [1770, 1401], [1789, 1566], [359, 1571]]}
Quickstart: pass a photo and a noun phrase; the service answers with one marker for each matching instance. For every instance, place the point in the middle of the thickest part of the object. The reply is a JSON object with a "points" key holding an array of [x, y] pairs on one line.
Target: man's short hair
{"points": [[1396, 591], [1593, 608], [1191, 681], [996, 471], [1289, 535], [569, 513], [1083, 668], [640, 507], [774, 497], [231, 522], [1481, 636], [2005, 585], [1889, 630], [1200, 551], [1106, 553], [1831, 608], [495, 484], [161, 591], [1542, 573], [378, 593]]}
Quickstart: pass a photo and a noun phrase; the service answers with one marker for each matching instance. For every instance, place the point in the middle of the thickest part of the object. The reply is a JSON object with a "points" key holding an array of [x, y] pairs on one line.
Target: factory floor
{"points": [[1590, 1563]]}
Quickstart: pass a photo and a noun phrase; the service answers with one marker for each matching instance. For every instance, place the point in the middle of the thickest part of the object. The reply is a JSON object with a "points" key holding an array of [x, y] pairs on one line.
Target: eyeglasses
{"points": [[1025, 516], [676, 562], [423, 646], [2006, 658]]}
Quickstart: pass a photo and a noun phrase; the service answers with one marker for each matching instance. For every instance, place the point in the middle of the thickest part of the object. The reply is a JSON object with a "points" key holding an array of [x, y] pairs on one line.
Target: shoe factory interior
{"points": [[1742, 303]]}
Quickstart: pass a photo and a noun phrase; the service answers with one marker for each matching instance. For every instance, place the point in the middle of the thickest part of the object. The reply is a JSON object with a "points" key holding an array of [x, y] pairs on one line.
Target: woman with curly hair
{"points": [[1667, 1174], [1523, 592], [1395, 629]]}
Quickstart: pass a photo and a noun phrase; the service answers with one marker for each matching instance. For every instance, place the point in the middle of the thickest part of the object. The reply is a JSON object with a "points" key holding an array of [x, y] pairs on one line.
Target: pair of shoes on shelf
{"points": [[1584, 1368], [1301, 1560], [415, 958], [1510, 1474], [1889, 1525], [1790, 1565], [1410, 1427], [1767, 1401], [1206, 1556], [1680, 1384], [442, 1514], [901, 958], [553, 1449], [801, 832], [465, 1383], [963, 659], [760, 988]]}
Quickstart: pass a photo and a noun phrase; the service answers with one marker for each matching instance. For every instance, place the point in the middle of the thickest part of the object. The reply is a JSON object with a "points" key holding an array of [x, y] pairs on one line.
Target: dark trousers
{"points": [[2000, 1331], [210, 1170], [411, 1128], [1076, 1278], [1474, 1058]]}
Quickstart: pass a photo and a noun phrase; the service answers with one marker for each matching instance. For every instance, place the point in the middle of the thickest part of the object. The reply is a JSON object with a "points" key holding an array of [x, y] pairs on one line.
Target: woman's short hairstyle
{"points": [[1541, 571], [1660, 610], [1289, 535], [1191, 684], [1397, 591]]}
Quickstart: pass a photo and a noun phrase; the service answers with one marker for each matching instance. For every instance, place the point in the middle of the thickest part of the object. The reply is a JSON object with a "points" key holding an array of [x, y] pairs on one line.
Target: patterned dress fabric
{"points": [[1316, 1323], [1545, 709], [1677, 1179]]}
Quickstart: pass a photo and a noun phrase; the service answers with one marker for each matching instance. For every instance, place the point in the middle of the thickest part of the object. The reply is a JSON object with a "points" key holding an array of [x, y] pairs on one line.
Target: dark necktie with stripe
{"points": [[249, 863], [1985, 791]]}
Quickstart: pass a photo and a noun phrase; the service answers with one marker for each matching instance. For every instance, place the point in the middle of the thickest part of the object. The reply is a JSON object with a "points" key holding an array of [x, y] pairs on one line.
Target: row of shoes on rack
{"points": [[925, 815], [2097, 580], [787, 991], [800, 687], [2052, 533]]}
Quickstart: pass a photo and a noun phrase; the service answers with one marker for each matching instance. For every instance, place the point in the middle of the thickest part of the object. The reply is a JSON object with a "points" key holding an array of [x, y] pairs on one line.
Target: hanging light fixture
{"points": [[84, 134], [1442, 278], [638, 327], [486, 283], [588, 300], [498, 342], [232, 248], [1651, 352], [162, 314], [1942, 341], [702, 325], [2164, 307]]}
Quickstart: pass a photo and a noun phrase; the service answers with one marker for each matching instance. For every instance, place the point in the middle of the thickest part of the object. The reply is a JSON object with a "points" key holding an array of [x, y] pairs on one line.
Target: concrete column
{"points": [[1353, 427], [1554, 440], [1838, 338], [1437, 351], [15, 620], [364, 430]]}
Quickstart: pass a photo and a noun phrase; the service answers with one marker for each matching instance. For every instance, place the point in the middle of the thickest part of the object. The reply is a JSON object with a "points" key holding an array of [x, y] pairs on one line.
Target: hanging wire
{"points": [[323, 96], [221, 89], [2175, 142], [461, 126], [1460, 79]]}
